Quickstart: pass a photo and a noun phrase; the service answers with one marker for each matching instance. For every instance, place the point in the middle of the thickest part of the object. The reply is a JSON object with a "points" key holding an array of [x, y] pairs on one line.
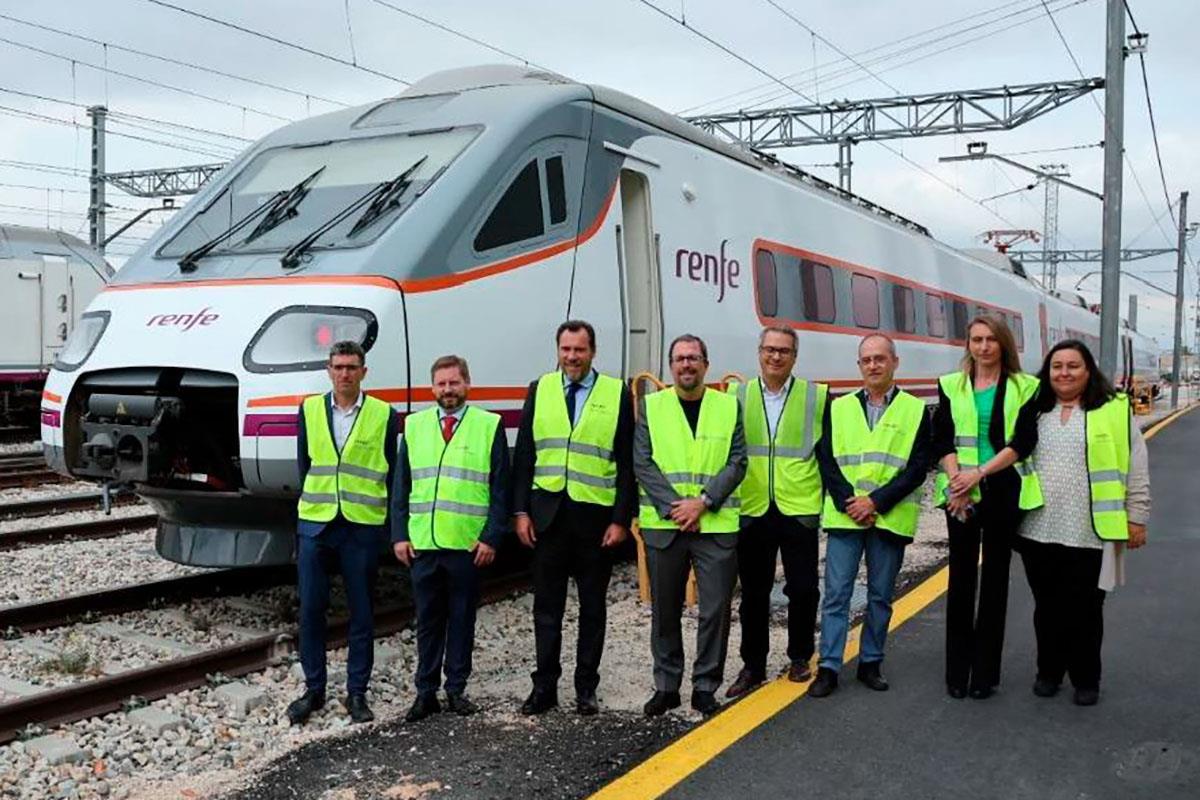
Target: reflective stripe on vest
{"points": [[870, 457], [782, 469], [1107, 432], [450, 497], [1019, 389], [690, 461], [354, 482], [580, 459]]}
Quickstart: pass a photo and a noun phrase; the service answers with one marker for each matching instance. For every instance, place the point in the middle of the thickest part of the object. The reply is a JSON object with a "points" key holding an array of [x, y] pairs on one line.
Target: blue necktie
{"points": [[572, 389]]}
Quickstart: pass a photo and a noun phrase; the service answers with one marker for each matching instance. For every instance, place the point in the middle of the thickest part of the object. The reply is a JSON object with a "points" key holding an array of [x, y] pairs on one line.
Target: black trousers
{"points": [[975, 635], [570, 548], [758, 544], [1068, 611], [446, 594]]}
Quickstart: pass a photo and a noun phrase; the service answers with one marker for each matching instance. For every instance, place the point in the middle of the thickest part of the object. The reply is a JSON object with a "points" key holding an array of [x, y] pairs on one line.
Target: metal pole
{"points": [[844, 163], [96, 202], [1131, 317], [1177, 352], [1114, 124]]}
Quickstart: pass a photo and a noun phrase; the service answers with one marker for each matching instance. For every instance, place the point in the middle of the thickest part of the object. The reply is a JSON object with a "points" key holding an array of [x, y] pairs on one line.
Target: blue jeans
{"points": [[842, 554], [352, 550]]}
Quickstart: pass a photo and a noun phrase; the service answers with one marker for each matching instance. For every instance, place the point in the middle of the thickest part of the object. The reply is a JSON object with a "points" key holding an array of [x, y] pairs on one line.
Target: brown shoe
{"points": [[746, 680], [799, 672]]}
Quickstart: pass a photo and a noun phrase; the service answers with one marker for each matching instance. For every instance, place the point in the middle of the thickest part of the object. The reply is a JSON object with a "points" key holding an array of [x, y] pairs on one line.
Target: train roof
{"points": [[21, 241]]}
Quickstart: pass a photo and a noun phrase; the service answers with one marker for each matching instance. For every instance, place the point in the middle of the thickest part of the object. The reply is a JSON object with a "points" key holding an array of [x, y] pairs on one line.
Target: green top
{"points": [[984, 400]]}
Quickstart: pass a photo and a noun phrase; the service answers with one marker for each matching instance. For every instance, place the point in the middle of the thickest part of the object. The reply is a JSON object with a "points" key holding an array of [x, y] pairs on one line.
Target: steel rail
{"points": [[49, 506], [104, 528], [31, 477]]}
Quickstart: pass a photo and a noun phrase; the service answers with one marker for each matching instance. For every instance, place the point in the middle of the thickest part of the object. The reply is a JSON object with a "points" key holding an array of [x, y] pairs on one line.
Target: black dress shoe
{"points": [[799, 672], [1086, 697], [458, 703], [539, 702], [586, 704], [424, 706], [868, 673], [956, 691], [1045, 688], [825, 683], [300, 709], [746, 680], [705, 702], [982, 692], [356, 704], [661, 703]]}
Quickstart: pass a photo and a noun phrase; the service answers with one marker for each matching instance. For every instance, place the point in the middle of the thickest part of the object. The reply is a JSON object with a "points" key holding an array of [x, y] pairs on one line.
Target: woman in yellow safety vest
{"points": [[985, 428], [1096, 485]]}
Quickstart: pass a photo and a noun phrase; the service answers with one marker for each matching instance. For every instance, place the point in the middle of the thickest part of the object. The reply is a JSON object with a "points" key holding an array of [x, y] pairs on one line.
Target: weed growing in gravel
{"points": [[73, 660]]}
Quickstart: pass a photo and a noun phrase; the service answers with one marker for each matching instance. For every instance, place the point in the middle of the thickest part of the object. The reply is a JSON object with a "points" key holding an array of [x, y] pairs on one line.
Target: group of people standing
{"points": [[725, 484]]}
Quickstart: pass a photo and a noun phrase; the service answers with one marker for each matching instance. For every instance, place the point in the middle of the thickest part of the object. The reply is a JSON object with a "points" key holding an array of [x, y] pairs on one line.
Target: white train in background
{"points": [[471, 215], [47, 279]]}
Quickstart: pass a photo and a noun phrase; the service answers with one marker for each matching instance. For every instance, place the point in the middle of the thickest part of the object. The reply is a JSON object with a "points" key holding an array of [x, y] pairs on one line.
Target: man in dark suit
{"points": [[346, 452], [573, 498]]}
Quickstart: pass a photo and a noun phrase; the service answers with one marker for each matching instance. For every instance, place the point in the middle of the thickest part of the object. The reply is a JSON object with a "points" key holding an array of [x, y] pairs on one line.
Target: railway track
{"points": [[11, 434], [104, 528], [110, 693], [30, 476], [49, 506]]}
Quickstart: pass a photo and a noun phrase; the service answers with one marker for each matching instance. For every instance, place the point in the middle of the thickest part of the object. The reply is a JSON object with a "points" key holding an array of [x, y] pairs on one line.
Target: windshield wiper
{"points": [[381, 198], [285, 209], [187, 262]]}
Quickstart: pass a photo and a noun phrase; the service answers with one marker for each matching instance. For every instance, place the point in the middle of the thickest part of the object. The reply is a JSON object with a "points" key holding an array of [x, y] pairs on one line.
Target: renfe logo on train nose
{"points": [[708, 268], [183, 321]]}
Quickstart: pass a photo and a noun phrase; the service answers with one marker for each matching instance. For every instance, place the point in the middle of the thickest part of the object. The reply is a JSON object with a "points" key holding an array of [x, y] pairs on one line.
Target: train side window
{"points": [[764, 279], [556, 192], [518, 214], [958, 329], [904, 309], [1018, 329], [865, 293], [789, 287], [935, 315], [820, 304]]}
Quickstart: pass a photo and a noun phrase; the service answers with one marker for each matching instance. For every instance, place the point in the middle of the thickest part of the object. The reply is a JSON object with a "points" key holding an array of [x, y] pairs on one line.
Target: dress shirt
{"points": [[343, 419], [456, 413], [874, 412], [774, 402], [581, 394]]}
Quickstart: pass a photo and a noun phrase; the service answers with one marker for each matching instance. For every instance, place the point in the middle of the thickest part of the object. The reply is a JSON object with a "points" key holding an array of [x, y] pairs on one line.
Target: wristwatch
{"points": [[708, 501]]}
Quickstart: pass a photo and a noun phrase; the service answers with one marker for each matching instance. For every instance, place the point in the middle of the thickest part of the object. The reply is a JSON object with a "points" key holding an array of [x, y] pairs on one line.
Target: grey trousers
{"points": [[715, 562]]}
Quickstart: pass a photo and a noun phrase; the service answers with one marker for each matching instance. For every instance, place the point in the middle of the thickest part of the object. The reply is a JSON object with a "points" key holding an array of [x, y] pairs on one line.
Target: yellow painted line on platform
{"points": [[656, 775]]}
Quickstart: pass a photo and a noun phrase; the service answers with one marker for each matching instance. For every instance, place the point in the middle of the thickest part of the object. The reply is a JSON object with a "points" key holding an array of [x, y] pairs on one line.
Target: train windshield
{"points": [[351, 168]]}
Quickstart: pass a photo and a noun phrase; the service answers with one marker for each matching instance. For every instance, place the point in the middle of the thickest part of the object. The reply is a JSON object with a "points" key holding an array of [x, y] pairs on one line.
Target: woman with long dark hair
{"points": [[1096, 484], [985, 428]]}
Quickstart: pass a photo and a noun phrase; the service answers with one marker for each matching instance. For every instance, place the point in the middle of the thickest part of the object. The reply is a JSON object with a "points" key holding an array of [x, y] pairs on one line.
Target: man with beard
{"points": [[689, 455], [449, 514], [573, 497]]}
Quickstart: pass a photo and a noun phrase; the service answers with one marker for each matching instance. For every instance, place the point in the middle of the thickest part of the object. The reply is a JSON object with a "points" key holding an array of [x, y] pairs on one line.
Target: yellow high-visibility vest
{"points": [[1108, 454], [579, 460], [353, 482]]}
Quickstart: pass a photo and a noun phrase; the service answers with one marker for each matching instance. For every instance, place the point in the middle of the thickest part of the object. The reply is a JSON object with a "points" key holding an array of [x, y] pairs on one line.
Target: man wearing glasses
{"points": [[780, 507], [689, 455]]}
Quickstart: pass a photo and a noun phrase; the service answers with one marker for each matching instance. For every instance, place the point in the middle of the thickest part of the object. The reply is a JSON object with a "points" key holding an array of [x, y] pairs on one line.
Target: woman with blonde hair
{"points": [[984, 430]]}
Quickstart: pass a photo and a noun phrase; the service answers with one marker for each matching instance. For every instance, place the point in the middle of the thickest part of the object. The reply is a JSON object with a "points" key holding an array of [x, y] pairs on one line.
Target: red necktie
{"points": [[447, 427]]}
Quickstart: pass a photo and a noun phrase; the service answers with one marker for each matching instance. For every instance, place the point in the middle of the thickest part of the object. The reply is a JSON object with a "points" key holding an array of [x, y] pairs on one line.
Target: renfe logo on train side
{"points": [[708, 268], [183, 321]]}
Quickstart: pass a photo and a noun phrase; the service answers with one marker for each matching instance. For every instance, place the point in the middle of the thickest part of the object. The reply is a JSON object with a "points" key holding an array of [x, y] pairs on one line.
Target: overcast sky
{"points": [[629, 46]]}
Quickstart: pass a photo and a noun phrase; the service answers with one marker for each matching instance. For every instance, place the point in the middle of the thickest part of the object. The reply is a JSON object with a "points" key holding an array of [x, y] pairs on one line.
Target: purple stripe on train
{"points": [[288, 424], [51, 418]]}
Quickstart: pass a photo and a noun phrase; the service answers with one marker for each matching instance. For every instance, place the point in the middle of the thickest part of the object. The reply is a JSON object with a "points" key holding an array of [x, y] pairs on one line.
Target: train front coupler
{"points": [[129, 439]]}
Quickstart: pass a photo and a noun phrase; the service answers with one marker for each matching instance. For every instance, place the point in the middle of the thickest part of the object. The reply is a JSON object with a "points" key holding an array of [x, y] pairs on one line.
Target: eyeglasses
{"points": [[687, 359], [780, 352]]}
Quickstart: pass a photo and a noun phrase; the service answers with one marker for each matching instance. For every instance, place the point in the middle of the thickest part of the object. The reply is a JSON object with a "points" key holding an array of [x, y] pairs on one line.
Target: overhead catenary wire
{"points": [[170, 60], [275, 39]]}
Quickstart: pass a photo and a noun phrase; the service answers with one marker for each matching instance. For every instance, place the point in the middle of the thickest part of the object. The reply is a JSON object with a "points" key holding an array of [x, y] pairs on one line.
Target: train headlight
{"points": [[82, 340], [298, 338]]}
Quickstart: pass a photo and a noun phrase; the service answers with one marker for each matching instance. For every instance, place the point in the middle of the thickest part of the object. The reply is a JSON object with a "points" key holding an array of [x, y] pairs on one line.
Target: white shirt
{"points": [[774, 402], [457, 414], [343, 420]]}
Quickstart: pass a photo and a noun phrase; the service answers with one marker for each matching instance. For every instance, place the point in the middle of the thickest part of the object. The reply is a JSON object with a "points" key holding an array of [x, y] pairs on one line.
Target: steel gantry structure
{"points": [[845, 122], [165, 182], [1084, 256]]}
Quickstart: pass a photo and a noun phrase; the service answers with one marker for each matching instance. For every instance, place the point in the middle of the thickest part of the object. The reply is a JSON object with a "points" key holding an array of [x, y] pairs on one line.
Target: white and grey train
{"points": [[470, 215], [47, 279]]}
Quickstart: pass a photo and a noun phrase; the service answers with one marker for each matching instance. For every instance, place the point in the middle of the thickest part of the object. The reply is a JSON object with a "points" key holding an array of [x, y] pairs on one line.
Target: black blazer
{"points": [[542, 506]]}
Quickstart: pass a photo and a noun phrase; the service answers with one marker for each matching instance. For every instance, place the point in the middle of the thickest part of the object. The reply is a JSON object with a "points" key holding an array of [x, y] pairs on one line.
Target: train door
{"points": [[56, 306], [23, 300], [641, 291], [1043, 329]]}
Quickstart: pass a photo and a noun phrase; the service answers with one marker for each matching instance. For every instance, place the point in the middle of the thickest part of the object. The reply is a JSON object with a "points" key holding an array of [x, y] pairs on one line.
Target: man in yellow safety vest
{"points": [[689, 455]]}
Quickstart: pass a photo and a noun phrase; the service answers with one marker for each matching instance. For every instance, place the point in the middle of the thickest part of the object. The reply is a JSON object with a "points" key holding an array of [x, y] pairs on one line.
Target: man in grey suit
{"points": [[689, 455]]}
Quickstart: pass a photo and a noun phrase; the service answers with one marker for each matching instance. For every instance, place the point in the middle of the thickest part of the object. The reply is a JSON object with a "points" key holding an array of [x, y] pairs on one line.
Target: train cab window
{"points": [[864, 291], [1018, 329], [556, 192], [518, 214], [820, 304], [958, 328], [764, 281], [935, 315], [904, 309]]}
